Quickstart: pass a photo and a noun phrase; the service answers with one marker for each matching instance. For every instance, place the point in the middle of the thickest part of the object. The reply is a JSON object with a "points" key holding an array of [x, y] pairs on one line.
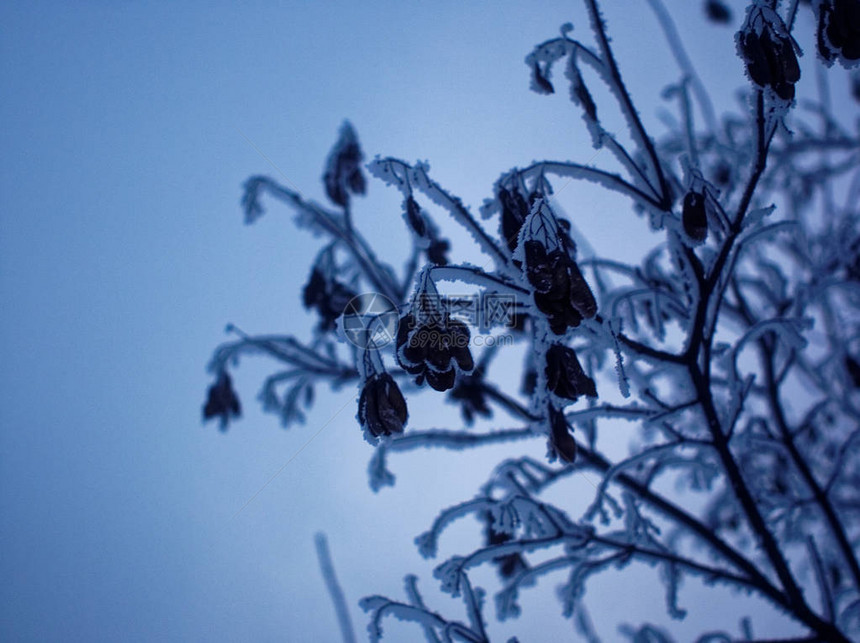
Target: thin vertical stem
{"points": [[334, 588]]}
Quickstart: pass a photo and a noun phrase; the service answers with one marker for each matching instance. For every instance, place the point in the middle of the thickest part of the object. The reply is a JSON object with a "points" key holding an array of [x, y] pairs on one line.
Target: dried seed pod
{"points": [[768, 50], [718, 12], [434, 350], [222, 401], [381, 406], [585, 100], [515, 209], [508, 565], [838, 32], [415, 218], [853, 368], [560, 438], [561, 292], [440, 380], [564, 374], [538, 269], [343, 174], [540, 81], [581, 297], [694, 216], [327, 296]]}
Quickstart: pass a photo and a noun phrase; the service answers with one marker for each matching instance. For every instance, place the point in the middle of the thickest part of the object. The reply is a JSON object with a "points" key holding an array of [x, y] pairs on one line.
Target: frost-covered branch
{"points": [[729, 350]]}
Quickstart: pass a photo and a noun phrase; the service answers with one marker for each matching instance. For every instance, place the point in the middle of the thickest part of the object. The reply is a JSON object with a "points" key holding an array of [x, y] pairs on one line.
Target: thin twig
{"points": [[334, 589]]}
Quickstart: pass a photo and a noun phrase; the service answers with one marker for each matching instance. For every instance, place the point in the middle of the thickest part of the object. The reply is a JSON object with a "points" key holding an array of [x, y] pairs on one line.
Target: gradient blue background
{"points": [[127, 130]]}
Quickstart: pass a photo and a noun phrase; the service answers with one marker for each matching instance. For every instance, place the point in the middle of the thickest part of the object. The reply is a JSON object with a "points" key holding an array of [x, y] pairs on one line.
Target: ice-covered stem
{"points": [[764, 135], [623, 548], [601, 177], [767, 357], [793, 594], [504, 400], [640, 349], [712, 286], [687, 521], [657, 555], [698, 357], [586, 543], [827, 604], [411, 583], [417, 177], [683, 95], [489, 282], [594, 460], [473, 608], [616, 469], [284, 348], [381, 607], [753, 578], [627, 107], [788, 600], [347, 219], [549, 52], [334, 588], [683, 60], [455, 439], [334, 225], [792, 14]]}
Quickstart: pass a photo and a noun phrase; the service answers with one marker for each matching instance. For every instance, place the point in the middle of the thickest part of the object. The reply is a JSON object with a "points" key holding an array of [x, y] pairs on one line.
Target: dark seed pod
{"points": [[440, 380], [343, 168], [722, 174], [541, 82], [437, 253], [411, 352], [508, 565], [786, 58], [581, 297], [414, 217], [718, 12], [433, 351], [222, 401], [315, 290], [381, 406], [769, 54], [564, 231], [565, 376], [853, 368], [561, 292], [838, 33], [585, 100], [757, 63], [538, 269], [460, 338], [560, 438], [529, 382], [515, 209], [327, 296], [355, 181], [694, 217]]}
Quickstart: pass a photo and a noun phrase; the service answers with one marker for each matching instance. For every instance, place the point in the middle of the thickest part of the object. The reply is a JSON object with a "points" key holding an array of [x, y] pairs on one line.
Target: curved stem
{"points": [[683, 60], [353, 241], [627, 107]]}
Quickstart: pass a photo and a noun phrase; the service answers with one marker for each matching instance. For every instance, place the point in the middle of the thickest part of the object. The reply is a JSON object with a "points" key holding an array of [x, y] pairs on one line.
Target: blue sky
{"points": [[128, 129]]}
